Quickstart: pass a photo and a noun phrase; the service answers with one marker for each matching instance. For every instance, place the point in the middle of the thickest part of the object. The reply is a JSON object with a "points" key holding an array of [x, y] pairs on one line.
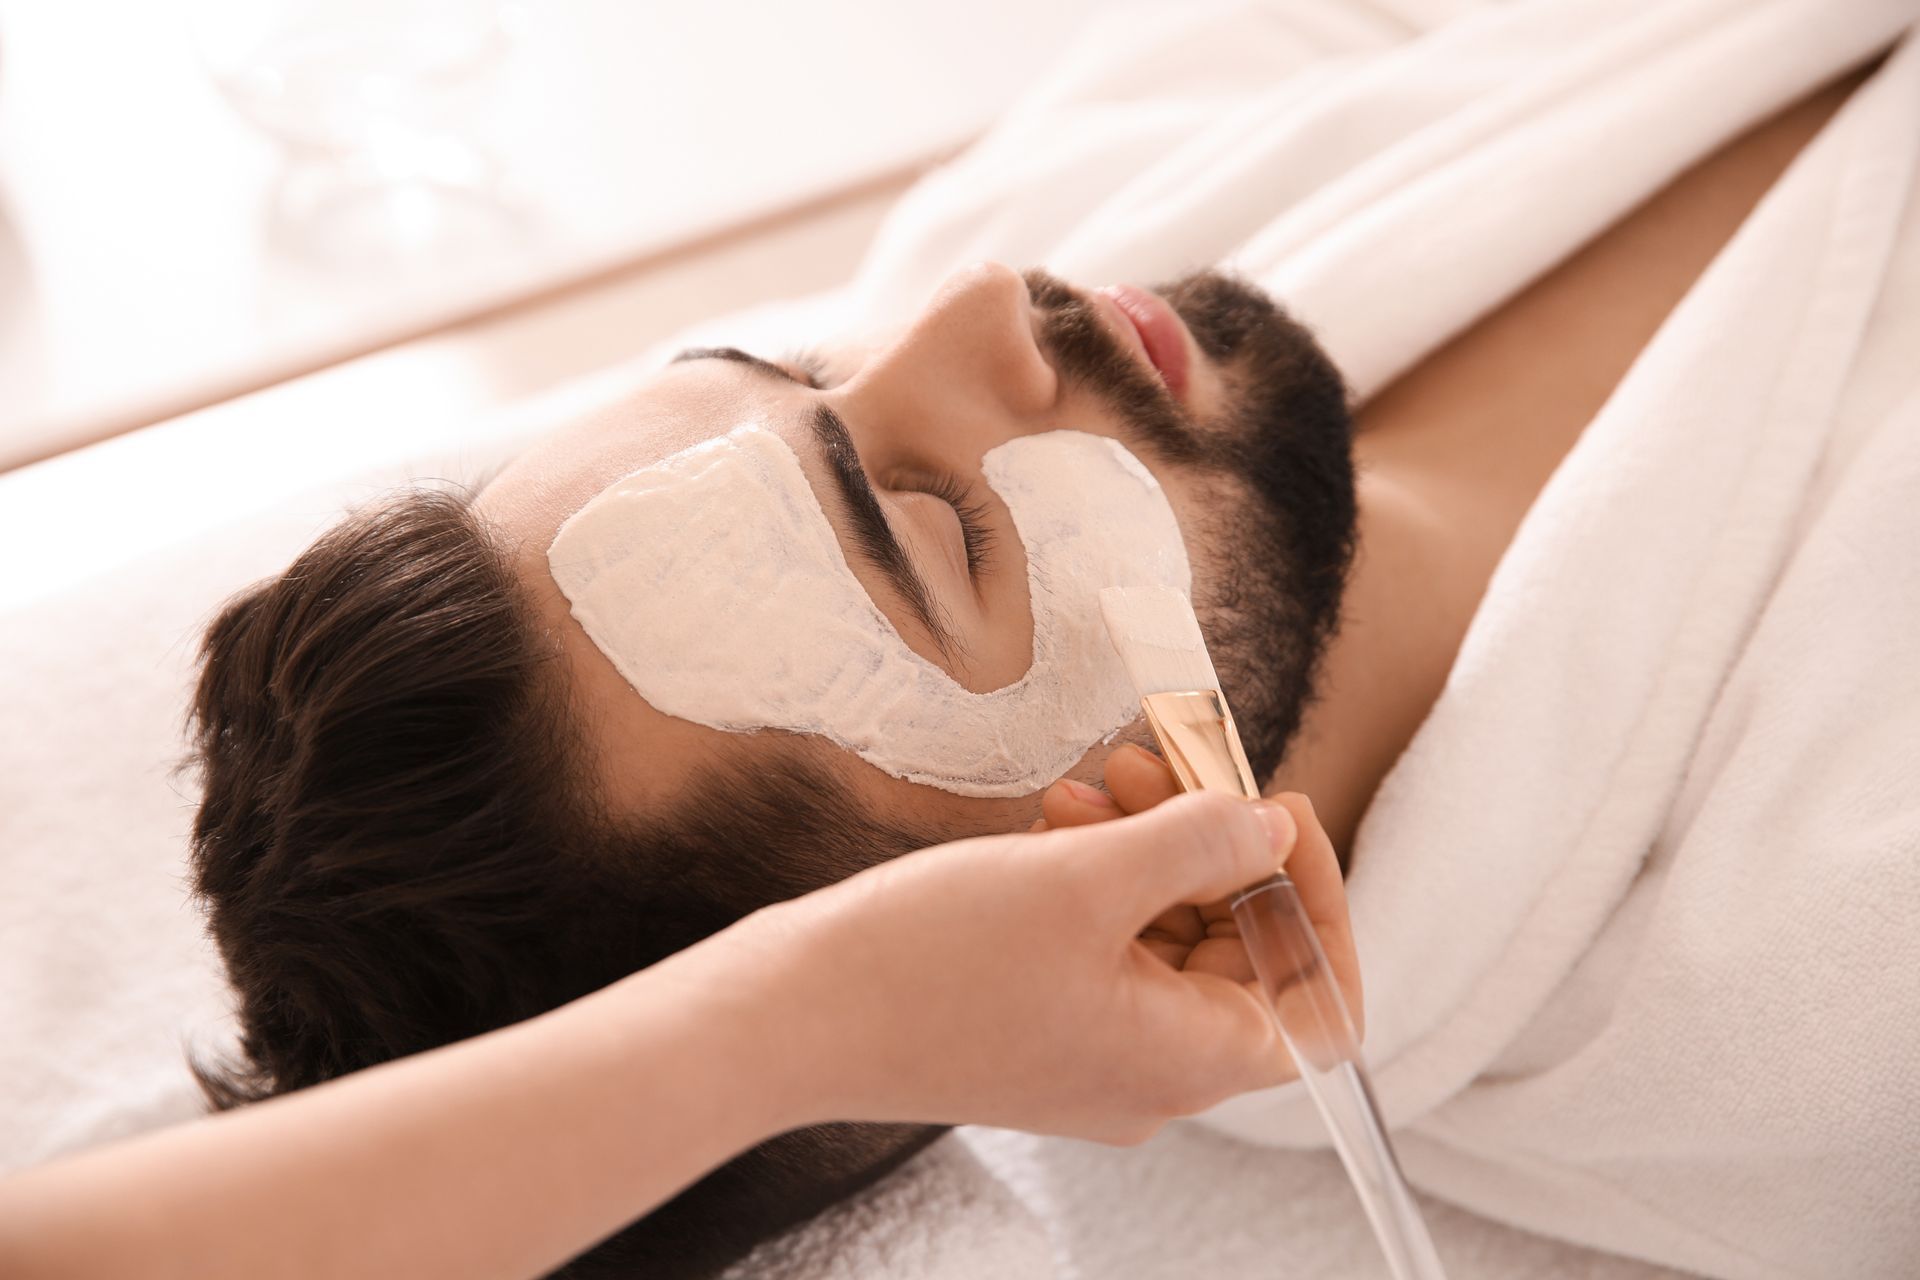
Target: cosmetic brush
{"points": [[1159, 640]]}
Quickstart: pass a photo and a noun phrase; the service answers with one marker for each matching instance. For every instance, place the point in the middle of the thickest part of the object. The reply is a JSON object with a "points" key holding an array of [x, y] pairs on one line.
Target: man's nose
{"points": [[970, 355]]}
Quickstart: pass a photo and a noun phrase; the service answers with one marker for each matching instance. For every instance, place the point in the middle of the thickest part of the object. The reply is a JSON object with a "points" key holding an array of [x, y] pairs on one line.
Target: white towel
{"points": [[992, 1203], [943, 1216], [1637, 908]]}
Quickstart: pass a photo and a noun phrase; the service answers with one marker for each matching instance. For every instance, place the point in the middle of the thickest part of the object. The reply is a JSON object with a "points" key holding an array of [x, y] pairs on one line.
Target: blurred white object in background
{"points": [[153, 275], [376, 104]]}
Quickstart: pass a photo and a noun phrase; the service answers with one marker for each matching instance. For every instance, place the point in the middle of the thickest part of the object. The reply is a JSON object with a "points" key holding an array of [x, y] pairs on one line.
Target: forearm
{"points": [[498, 1157]]}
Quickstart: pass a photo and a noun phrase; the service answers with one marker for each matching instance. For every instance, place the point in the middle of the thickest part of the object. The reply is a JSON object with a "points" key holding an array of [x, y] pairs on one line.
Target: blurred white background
{"points": [[160, 250]]}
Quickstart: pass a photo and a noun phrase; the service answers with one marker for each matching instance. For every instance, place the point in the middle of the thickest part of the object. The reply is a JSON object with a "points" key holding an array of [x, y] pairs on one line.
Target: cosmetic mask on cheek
{"points": [[715, 585]]}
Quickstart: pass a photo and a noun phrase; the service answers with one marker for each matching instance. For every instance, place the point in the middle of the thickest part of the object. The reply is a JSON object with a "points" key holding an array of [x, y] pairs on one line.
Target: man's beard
{"points": [[1273, 546]]}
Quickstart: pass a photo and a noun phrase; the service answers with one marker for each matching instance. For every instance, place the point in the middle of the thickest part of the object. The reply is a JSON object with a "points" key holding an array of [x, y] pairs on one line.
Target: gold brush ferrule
{"points": [[1197, 733]]}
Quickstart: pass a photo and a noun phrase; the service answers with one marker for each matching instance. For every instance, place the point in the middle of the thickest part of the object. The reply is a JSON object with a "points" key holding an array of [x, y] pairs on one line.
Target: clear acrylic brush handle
{"points": [[1313, 1021], [1203, 749]]}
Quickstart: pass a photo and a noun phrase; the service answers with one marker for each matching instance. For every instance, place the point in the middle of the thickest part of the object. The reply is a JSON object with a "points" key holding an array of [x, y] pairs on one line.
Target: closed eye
{"points": [[977, 536], [971, 512], [872, 532]]}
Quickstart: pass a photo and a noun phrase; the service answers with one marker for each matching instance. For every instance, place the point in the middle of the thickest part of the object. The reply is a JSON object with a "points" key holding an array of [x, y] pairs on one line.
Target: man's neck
{"points": [[1401, 623]]}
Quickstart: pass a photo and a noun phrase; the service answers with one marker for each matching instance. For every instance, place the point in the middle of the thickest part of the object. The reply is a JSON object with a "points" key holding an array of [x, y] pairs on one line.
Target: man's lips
{"points": [[1162, 334]]}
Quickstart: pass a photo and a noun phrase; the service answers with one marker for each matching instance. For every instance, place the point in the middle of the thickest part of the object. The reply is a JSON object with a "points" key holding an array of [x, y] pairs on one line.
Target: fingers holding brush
{"points": [[1138, 779], [1205, 938], [1068, 803]]}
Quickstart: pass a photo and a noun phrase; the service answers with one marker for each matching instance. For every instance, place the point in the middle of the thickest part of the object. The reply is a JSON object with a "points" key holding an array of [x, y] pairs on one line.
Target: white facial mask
{"points": [[715, 585]]}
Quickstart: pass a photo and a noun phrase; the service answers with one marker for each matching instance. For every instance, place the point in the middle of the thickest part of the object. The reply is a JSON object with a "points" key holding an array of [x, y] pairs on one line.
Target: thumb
{"points": [[1194, 848]]}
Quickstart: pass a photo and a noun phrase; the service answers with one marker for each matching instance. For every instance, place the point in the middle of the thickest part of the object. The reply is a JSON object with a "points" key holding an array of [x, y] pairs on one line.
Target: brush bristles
{"points": [[1159, 639]]}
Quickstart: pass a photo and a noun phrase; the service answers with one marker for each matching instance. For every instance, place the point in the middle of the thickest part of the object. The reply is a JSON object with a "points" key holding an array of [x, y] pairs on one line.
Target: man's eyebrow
{"points": [[871, 531], [738, 356]]}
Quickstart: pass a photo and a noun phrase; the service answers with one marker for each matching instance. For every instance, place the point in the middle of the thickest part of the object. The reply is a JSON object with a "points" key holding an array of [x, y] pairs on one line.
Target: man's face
{"points": [[891, 439]]}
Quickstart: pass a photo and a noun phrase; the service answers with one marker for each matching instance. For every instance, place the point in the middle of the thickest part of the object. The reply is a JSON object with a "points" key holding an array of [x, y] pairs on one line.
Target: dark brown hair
{"points": [[397, 847]]}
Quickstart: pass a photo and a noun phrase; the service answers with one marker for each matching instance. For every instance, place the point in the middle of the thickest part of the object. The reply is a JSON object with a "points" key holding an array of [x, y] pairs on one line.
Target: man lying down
{"points": [[436, 802], [778, 616]]}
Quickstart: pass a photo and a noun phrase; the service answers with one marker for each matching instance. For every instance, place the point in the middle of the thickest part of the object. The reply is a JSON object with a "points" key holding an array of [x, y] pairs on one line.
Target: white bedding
{"points": [[1298, 139]]}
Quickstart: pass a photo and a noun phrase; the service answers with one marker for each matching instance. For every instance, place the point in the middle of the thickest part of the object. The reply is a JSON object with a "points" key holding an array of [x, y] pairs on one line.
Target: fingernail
{"points": [[1087, 795], [1281, 829]]}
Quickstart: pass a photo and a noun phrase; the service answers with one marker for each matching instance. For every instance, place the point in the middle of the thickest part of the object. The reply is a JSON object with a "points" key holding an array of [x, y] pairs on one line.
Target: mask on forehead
{"points": [[715, 585]]}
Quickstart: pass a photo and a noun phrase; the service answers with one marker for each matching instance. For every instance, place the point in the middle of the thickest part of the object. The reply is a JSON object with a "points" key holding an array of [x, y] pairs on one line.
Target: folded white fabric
{"points": [[1666, 800]]}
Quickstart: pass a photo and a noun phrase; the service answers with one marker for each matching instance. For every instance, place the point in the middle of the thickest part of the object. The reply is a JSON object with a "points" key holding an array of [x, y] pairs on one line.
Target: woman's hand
{"points": [[1002, 981], [1205, 938]]}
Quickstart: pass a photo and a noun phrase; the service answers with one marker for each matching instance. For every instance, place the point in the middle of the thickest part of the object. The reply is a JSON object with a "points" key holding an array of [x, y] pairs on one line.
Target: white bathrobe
{"points": [[1639, 909]]}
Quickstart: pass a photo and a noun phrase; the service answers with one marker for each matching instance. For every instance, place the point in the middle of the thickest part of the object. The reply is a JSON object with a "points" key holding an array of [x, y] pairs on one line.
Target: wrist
{"points": [[763, 1020]]}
